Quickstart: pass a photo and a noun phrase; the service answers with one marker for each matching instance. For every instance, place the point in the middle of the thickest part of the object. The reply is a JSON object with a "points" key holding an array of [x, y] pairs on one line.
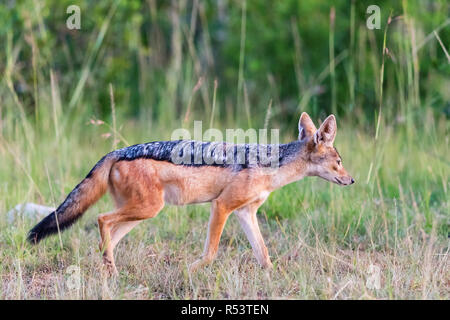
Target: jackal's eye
{"points": [[338, 161]]}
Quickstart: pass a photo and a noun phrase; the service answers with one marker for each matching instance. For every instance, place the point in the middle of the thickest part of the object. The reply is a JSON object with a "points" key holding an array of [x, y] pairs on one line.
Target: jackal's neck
{"points": [[294, 166]]}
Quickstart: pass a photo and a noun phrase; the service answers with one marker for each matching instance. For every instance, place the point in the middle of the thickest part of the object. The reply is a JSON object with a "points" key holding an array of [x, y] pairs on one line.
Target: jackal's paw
{"points": [[109, 268], [267, 265], [197, 265]]}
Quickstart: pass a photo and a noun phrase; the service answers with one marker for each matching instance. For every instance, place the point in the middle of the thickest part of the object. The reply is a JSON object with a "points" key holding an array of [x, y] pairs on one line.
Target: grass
{"points": [[322, 238], [326, 241]]}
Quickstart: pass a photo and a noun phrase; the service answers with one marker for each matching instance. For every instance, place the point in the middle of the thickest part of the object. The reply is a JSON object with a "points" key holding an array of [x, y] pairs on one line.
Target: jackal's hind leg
{"points": [[105, 243], [116, 234], [114, 226], [120, 230], [137, 190]]}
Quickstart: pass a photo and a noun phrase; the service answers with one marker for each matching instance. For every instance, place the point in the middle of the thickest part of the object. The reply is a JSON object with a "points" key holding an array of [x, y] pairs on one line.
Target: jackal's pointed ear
{"points": [[306, 127], [327, 131]]}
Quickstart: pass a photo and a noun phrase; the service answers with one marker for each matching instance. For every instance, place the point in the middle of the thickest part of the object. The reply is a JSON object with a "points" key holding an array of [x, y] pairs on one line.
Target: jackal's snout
{"points": [[344, 181], [338, 173]]}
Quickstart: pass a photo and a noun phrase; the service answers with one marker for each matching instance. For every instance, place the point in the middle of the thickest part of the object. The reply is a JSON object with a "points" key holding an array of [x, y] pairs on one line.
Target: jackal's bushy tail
{"points": [[85, 194]]}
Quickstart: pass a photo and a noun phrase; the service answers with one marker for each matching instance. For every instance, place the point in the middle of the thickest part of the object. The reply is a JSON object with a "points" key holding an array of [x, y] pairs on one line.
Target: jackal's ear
{"points": [[327, 131], [306, 127]]}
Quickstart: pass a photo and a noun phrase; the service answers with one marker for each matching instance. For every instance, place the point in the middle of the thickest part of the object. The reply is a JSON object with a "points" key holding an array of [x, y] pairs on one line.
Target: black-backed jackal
{"points": [[142, 178]]}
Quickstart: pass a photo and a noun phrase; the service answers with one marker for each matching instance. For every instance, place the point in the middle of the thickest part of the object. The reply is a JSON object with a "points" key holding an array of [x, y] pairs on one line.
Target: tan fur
{"points": [[141, 187]]}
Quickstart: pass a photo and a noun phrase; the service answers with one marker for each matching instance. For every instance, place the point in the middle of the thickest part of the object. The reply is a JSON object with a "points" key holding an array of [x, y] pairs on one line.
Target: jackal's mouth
{"points": [[338, 181]]}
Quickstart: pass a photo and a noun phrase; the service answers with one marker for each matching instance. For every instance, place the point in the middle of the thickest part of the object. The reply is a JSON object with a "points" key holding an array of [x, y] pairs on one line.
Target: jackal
{"points": [[143, 177]]}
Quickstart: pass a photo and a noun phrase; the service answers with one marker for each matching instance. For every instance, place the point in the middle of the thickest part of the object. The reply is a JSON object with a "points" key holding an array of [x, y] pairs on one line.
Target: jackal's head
{"points": [[323, 160]]}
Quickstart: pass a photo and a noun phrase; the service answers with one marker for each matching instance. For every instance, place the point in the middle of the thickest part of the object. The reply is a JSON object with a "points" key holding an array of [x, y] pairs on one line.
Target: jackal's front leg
{"points": [[217, 219], [249, 223]]}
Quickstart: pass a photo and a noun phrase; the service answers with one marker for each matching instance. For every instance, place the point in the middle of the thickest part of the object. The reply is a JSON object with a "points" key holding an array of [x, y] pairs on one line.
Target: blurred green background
{"points": [[293, 55]]}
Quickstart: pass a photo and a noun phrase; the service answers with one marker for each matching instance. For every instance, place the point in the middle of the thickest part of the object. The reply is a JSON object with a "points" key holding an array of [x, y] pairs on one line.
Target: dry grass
{"points": [[153, 263]]}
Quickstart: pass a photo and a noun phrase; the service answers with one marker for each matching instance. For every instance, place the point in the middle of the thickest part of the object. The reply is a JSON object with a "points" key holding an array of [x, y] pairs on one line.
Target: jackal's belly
{"points": [[181, 195], [185, 185]]}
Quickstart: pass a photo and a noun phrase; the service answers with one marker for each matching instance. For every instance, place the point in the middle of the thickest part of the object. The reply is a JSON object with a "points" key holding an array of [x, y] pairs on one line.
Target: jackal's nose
{"points": [[353, 181]]}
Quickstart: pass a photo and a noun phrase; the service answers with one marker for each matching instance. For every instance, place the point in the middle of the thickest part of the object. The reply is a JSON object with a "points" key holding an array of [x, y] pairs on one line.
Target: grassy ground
{"points": [[326, 242], [323, 238]]}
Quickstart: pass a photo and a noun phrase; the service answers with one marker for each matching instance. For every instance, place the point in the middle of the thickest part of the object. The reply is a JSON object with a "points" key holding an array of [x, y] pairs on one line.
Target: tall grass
{"points": [[323, 239]]}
